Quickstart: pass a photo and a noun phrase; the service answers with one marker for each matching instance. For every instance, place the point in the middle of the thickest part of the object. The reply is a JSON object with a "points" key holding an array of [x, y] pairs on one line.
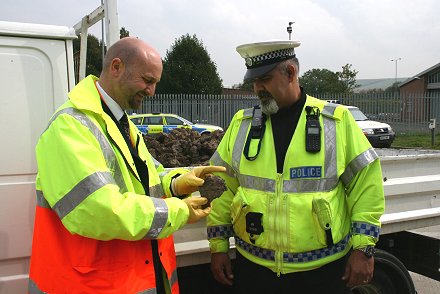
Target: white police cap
{"points": [[262, 57]]}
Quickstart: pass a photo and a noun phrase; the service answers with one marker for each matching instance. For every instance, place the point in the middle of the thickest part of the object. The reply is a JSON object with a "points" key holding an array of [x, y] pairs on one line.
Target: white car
{"points": [[379, 134]]}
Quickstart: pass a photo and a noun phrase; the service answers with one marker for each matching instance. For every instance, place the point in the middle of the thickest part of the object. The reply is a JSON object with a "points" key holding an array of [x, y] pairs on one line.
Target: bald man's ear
{"points": [[116, 67]]}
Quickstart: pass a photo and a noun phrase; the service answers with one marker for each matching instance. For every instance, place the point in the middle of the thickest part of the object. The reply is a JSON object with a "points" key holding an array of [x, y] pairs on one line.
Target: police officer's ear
{"points": [[291, 72]]}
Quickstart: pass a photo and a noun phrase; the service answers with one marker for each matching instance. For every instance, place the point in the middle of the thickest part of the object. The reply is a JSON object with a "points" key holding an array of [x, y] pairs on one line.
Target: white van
{"points": [[37, 71]]}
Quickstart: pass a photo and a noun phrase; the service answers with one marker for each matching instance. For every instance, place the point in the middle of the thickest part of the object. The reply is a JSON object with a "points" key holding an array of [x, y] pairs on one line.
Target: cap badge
{"points": [[248, 61]]}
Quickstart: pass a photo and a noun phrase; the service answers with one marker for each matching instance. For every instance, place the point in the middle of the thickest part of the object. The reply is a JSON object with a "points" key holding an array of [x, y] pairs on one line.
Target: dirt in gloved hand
{"points": [[212, 188]]}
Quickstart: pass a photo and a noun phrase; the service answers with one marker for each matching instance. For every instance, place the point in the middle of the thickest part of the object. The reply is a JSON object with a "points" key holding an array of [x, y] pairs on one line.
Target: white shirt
{"points": [[114, 107]]}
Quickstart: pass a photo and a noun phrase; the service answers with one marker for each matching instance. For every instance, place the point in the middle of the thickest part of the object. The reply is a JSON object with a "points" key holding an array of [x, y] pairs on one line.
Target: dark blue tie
{"points": [[125, 126]]}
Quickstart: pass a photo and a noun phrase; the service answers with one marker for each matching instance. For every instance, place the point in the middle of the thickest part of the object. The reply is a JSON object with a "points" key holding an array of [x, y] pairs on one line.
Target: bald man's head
{"points": [[129, 50], [131, 70]]}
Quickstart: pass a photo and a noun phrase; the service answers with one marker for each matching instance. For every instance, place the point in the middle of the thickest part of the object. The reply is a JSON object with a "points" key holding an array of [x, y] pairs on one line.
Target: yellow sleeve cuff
{"points": [[360, 241], [167, 180], [219, 245]]}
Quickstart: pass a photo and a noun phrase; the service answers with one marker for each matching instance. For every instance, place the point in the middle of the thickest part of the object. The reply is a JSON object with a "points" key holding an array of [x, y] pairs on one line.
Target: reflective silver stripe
{"points": [[149, 291], [156, 162], [173, 279], [224, 231], [33, 288], [257, 183], [81, 191], [248, 112], [289, 257], [159, 219], [309, 185], [41, 201], [240, 140], [217, 160], [330, 149], [329, 109], [107, 150], [163, 174], [357, 164], [156, 191]]}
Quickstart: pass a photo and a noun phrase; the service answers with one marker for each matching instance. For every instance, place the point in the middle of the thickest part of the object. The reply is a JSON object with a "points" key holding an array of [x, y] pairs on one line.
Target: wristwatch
{"points": [[369, 251]]}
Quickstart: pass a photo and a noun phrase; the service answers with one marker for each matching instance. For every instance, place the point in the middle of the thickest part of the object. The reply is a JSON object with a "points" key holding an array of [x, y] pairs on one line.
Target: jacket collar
{"points": [[85, 96]]}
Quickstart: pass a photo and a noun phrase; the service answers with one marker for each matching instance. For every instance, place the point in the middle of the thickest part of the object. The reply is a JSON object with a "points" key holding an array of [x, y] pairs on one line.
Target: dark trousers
{"points": [[252, 278]]}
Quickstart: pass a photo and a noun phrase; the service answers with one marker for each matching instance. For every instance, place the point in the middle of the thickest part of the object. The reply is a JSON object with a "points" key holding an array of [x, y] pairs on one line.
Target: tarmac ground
{"points": [[425, 285]]}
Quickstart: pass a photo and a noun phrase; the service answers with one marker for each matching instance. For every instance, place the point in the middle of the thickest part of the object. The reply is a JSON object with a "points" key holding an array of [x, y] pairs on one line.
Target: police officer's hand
{"points": [[191, 181], [195, 211], [359, 269], [221, 268]]}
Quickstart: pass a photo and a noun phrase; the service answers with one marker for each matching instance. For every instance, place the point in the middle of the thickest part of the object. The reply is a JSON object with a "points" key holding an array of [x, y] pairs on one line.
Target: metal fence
{"points": [[212, 109], [406, 113]]}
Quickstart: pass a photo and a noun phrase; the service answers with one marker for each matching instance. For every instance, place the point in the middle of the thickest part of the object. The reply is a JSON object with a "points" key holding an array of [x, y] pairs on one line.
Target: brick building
{"points": [[428, 81], [420, 96]]}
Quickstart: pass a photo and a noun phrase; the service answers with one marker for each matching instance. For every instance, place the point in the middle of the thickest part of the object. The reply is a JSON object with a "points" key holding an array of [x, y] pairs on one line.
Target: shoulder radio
{"points": [[313, 129]]}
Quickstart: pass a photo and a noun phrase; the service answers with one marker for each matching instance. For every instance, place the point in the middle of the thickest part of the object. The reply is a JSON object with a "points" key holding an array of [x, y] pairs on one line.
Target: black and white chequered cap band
{"points": [[269, 58]]}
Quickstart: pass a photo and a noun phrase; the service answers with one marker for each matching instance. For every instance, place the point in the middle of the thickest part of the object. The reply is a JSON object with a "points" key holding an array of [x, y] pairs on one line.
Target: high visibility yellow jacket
{"points": [[322, 204], [94, 221]]}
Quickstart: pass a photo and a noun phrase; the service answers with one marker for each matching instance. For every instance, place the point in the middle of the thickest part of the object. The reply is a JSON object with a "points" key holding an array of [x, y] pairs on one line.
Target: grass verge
{"points": [[416, 141]]}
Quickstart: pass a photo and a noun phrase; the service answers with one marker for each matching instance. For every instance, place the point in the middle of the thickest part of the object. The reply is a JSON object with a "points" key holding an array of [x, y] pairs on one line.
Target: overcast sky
{"points": [[367, 34]]}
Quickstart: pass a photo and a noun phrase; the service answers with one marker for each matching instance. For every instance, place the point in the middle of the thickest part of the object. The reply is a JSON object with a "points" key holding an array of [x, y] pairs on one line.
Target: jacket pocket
{"points": [[239, 207], [323, 221], [84, 269]]}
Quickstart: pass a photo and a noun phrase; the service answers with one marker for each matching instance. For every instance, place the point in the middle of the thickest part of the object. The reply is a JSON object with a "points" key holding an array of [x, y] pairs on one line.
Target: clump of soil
{"points": [[212, 188], [183, 147]]}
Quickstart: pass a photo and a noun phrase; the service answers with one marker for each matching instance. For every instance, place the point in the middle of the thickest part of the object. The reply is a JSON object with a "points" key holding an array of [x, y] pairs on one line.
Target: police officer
{"points": [[305, 189]]}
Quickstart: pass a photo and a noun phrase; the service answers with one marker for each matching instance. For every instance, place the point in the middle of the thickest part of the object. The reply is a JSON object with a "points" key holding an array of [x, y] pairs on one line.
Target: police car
{"points": [[379, 134], [153, 123]]}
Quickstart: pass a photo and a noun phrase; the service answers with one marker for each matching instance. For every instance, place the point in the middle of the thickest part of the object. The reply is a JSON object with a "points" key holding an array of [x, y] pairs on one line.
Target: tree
{"points": [[247, 85], [123, 33], [320, 81], [188, 69], [94, 54], [348, 78]]}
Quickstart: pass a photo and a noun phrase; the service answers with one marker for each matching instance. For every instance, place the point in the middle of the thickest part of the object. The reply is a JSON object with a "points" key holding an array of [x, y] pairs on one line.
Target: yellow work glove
{"points": [[191, 181], [194, 206]]}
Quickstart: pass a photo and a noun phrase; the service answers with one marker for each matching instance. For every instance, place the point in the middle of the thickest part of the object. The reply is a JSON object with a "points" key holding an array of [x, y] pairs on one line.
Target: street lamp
{"points": [[289, 28], [395, 76]]}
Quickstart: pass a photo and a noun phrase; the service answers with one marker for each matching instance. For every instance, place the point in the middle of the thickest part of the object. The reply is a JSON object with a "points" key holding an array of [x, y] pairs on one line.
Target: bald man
{"points": [[105, 212]]}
